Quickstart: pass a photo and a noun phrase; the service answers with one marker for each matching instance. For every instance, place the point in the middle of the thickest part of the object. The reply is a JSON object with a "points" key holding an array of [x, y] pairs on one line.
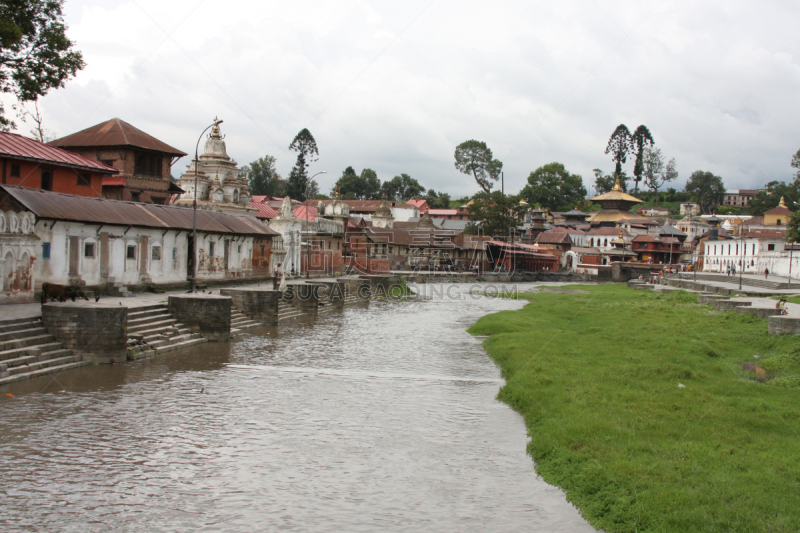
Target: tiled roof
{"points": [[264, 210], [18, 147], [548, 237], [115, 132], [305, 210]]}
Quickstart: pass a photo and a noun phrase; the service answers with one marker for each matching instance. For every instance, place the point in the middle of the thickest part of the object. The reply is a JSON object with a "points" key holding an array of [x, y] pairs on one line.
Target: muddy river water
{"points": [[379, 417]]}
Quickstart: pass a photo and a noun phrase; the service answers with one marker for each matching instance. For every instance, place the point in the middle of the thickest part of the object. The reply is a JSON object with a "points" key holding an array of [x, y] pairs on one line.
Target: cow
{"points": [[62, 293]]}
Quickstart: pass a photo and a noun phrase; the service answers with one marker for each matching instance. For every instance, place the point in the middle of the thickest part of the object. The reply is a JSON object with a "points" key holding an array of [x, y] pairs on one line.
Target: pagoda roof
{"points": [[115, 132], [616, 193]]}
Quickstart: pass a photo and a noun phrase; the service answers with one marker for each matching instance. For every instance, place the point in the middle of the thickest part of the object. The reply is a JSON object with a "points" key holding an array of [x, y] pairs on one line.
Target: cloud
{"points": [[396, 86]]}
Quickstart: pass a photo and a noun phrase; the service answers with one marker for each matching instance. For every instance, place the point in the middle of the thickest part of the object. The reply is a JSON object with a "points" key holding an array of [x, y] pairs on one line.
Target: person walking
{"points": [[766, 273], [276, 277]]}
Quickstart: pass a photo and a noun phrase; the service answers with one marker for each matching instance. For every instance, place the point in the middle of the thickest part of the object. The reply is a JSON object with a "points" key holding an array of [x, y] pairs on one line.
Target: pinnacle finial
{"points": [[617, 185], [783, 202]]}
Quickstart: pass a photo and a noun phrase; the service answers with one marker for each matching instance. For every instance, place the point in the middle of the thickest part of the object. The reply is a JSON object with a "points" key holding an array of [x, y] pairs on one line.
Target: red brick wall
{"points": [[64, 179]]}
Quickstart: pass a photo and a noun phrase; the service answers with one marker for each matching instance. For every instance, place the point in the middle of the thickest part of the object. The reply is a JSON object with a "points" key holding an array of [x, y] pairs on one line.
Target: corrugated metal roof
{"points": [[17, 146], [303, 211], [59, 206], [433, 212], [115, 132]]}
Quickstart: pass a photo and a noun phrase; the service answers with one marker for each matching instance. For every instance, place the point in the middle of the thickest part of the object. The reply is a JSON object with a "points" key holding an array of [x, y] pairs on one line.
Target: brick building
{"points": [[144, 163]]}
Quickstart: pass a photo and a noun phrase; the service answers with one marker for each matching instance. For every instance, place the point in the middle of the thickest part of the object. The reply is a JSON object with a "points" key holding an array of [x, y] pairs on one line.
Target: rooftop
{"points": [[115, 132], [18, 147]]}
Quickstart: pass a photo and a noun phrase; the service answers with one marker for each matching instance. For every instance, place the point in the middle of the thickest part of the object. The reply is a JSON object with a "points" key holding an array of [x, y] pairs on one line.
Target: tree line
{"points": [[264, 179]]}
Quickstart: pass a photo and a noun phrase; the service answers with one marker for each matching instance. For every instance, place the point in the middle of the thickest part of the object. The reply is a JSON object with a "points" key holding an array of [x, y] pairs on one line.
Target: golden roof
{"points": [[616, 193], [613, 215]]}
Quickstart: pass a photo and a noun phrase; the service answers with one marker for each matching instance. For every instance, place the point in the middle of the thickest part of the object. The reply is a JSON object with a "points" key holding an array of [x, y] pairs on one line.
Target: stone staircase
{"points": [[751, 282], [286, 310], [152, 329], [240, 321], [28, 351]]}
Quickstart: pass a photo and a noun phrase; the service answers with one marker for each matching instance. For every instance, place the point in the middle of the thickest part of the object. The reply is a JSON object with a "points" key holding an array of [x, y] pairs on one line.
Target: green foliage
{"points": [[766, 200], [401, 188], [706, 188], [35, 54], [656, 174], [596, 378], [475, 158], [552, 187], [298, 186], [640, 139], [438, 200], [263, 178], [605, 182], [619, 144], [495, 213], [793, 227], [367, 186]]}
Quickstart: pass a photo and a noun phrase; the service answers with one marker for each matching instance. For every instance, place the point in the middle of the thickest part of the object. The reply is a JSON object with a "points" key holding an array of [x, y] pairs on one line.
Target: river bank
{"points": [[641, 406]]}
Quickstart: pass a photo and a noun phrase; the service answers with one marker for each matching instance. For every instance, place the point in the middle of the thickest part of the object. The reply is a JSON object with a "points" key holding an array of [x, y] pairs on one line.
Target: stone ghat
{"points": [[777, 323], [76, 333]]}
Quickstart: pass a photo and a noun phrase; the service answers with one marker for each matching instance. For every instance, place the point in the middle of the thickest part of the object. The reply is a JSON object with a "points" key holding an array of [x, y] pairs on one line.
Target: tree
{"points": [[475, 158], [640, 139], [372, 184], [551, 186], [796, 163], [655, 173], [619, 144], [367, 186], [263, 178], [496, 213], [605, 182], [706, 188], [306, 147], [775, 190], [438, 200], [402, 187], [35, 54]]}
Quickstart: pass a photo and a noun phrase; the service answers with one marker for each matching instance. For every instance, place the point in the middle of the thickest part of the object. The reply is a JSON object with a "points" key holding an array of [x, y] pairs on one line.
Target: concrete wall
{"points": [[96, 331], [208, 315], [260, 305]]}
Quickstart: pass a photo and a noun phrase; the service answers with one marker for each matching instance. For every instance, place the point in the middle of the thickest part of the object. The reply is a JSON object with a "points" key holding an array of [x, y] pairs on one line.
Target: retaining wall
{"points": [[96, 331], [206, 314]]}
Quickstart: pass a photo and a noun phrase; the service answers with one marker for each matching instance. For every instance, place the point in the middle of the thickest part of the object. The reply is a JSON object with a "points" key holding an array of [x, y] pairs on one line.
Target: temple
{"points": [[615, 206], [220, 185]]}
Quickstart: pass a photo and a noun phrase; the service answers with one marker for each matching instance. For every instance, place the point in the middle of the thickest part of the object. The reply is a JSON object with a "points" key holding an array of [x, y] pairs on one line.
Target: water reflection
{"points": [[378, 417]]}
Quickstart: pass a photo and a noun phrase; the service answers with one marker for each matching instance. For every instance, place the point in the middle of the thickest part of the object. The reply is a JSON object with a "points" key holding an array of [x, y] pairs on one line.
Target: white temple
{"points": [[220, 186]]}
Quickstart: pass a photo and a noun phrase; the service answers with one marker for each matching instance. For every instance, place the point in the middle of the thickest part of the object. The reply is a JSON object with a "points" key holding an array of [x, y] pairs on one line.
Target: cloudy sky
{"points": [[395, 86]]}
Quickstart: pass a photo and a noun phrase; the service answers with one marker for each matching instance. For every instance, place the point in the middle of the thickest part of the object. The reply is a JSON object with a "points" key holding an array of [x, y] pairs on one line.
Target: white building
{"points": [[753, 254], [100, 243]]}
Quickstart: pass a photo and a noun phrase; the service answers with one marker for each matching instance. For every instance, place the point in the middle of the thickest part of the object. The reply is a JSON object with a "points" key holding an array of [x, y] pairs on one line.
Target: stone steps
{"points": [[27, 351], [154, 326], [153, 330], [42, 372]]}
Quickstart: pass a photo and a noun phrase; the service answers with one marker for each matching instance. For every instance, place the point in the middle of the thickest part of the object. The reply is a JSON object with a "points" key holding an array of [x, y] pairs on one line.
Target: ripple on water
{"points": [[379, 417]]}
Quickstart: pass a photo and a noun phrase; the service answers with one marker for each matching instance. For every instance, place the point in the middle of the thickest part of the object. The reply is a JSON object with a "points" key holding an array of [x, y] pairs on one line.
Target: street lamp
{"points": [[308, 240], [216, 122]]}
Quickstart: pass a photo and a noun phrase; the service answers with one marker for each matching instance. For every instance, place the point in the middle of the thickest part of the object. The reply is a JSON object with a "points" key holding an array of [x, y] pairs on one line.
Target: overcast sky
{"points": [[396, 86]]}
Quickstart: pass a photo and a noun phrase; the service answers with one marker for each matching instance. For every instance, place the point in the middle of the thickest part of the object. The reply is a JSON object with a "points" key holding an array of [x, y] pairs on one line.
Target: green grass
{"points": [[596, 378], [400, 290]]}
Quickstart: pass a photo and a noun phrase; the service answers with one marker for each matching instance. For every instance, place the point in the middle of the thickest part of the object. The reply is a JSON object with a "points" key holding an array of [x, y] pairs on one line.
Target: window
{"points": [[88, 249], [211, 247], [47, 180], [174, 254], [45, 250], [84, 179], [770, 247], [135, 196], [108, 162], [148, 164], [131, 251], [239, 249], [14, 170], [262, 250], [156, 253]]}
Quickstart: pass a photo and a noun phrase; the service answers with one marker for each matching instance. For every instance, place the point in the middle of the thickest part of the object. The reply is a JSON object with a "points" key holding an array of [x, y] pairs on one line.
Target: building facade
{"points": [[144, 163]]}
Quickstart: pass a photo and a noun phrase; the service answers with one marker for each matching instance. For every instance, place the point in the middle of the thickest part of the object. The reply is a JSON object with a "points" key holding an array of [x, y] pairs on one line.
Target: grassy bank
{"points": [[598, 376]]}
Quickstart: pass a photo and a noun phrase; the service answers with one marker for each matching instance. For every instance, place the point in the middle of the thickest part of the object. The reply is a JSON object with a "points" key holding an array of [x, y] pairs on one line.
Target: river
{"points": [[378, 417]]}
